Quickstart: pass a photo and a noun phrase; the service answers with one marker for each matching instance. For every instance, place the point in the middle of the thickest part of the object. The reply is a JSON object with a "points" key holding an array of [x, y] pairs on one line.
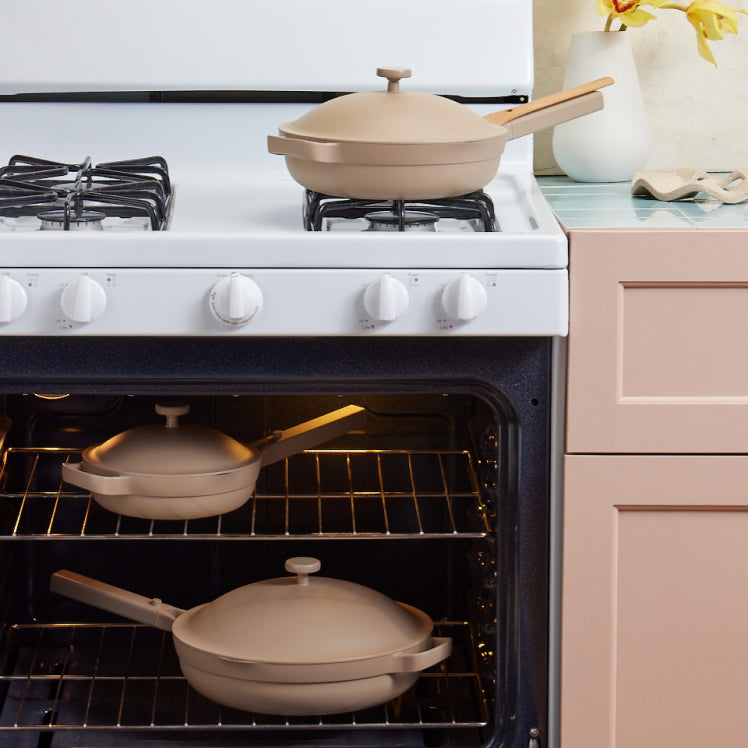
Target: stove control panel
{"points": [[283, 301]]}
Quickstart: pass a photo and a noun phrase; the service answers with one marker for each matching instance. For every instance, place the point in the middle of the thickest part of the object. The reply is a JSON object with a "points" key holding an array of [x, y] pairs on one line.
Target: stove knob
{"points": [[235, 300], [13, 299], [464, 298], [83, 300], [386, 298]]}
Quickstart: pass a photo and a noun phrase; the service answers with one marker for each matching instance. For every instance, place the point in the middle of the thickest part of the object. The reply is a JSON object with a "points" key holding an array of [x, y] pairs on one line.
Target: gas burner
{"points": [[475, 210], [408, 220], [69, 220], [82, 195]]}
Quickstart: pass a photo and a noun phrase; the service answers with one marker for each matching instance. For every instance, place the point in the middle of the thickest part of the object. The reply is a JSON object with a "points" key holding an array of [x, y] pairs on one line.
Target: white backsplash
{"points": [[698, 113]]}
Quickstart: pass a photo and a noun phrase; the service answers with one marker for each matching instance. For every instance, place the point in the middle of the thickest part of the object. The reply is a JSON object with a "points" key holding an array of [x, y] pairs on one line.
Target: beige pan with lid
{"points": [[295, 645], [180, 471], [396, 145]]}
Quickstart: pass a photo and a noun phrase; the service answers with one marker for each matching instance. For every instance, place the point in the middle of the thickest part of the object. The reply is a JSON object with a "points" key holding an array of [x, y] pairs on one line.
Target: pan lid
{"points": [[172, 448], [392, 116], [300, 620]]}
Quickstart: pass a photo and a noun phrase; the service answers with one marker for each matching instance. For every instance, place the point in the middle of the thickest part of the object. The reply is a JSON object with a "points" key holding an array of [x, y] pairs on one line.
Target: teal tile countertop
{"points": [[580, 205]]}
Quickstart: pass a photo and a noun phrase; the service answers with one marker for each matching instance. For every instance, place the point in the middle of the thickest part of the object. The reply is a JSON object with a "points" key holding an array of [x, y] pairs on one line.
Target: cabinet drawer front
{"points": [[658, 344], [655, 607]]}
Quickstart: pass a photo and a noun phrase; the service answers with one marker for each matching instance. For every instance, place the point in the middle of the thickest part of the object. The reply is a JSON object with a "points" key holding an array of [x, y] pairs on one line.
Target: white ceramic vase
{"points": [[612, 144]]}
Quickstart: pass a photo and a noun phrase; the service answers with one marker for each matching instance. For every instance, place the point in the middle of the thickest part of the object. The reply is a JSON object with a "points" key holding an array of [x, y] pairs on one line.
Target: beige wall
{"points": [[698, 114]]}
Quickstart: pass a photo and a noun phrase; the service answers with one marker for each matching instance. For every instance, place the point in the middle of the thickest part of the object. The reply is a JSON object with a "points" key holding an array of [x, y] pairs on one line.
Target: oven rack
{"points": [[339, 494], [126, 677]]}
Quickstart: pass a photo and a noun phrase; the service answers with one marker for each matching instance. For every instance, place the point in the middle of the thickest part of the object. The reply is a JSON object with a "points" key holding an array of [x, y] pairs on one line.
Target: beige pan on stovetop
{"points": [[397, 145]]}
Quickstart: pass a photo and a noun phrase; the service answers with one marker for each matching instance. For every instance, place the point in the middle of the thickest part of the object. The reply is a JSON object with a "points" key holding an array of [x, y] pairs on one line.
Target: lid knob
{"points": [[393, 76], [172, 411], [302, 566]]}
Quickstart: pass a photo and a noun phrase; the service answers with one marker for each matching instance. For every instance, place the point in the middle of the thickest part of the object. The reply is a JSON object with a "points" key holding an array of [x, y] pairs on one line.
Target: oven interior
{"points": [[418, 505]]}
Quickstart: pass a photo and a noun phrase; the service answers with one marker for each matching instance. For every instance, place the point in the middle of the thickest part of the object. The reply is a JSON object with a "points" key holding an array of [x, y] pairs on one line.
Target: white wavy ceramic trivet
{"points": [[683, 184]]}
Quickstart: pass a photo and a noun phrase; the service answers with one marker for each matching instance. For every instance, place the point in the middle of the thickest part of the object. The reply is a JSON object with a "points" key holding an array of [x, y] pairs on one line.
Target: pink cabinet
{"points": [[658, 347], [655, 602], [655, 542]]}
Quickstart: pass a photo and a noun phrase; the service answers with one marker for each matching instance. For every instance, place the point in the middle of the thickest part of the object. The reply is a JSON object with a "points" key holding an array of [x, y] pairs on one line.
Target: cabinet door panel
{"points": [[655, 602], [658, 342]]}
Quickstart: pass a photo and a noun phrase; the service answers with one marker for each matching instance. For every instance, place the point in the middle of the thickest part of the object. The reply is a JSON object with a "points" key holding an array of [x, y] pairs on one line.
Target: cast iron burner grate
{"points": [[475, 207], [75, 196]]}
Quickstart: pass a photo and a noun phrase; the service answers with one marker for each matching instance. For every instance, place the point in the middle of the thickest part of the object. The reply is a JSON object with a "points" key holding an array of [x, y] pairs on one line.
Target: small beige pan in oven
{"points": [[185, 471]]}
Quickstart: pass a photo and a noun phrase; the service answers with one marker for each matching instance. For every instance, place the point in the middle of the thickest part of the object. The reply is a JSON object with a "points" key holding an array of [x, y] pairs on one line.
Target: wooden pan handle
{"points": [[507, 115], [282, 444]]}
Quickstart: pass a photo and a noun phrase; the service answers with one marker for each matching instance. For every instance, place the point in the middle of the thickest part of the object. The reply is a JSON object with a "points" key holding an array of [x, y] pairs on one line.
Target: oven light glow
{"points": [[50, 397]]}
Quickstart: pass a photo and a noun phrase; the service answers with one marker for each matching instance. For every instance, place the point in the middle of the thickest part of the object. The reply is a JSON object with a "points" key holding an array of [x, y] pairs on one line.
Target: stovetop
{"points": [[259, 221], [235, 205]]}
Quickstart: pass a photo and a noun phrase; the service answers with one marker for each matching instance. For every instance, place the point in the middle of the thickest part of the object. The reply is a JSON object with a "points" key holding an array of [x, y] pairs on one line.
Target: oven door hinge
{"points": [[534, 739]]}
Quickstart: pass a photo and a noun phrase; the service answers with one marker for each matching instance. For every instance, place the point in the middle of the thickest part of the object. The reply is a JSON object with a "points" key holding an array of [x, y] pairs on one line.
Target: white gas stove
{"points": [[233, 255]]}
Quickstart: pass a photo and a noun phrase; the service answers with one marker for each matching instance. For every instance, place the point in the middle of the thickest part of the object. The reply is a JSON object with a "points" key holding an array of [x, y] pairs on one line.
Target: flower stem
{"points": [[609, 23]]}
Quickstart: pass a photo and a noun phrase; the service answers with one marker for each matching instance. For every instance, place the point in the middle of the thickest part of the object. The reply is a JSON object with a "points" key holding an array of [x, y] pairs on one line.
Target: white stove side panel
{"points": [[468, 47]]}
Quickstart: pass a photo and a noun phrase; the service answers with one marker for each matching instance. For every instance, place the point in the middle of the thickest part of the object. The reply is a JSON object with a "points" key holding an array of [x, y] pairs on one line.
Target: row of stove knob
{"points": [[463, 298], [236, 299], [82, 300]]}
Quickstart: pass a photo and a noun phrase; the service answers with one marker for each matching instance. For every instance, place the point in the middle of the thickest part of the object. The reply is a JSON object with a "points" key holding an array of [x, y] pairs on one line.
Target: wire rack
{"points": [[127, 677], [318, 493]]}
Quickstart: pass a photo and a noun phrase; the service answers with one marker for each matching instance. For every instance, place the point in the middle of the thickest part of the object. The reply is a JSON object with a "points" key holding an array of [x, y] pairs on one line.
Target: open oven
{"points": [[206, 276], [440, 501]]}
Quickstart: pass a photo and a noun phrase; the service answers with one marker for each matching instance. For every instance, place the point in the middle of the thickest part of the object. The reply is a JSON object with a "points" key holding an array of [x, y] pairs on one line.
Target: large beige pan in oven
{"points": [[293, 646], [185, 471], [396, 145]]}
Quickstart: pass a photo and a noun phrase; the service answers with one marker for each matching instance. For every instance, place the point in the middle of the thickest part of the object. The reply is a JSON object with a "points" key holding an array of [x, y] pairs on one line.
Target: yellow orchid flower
{"points": [[629, 12], [712, 20]]}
